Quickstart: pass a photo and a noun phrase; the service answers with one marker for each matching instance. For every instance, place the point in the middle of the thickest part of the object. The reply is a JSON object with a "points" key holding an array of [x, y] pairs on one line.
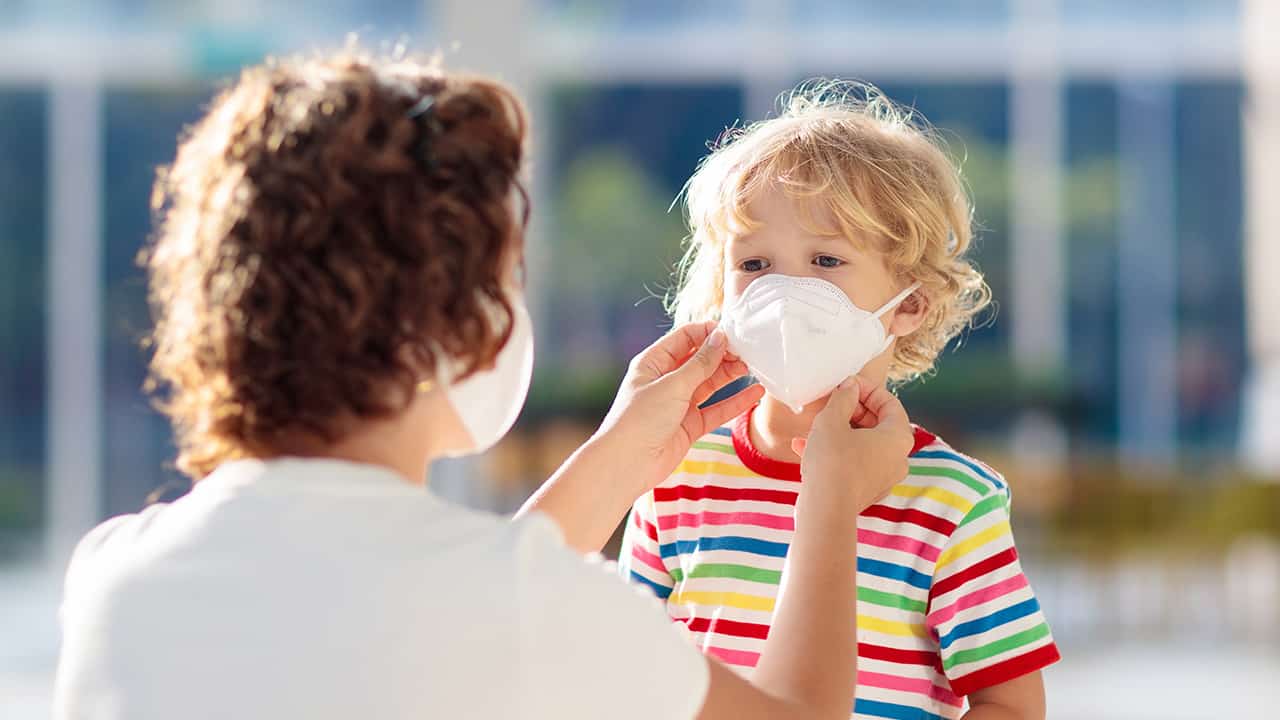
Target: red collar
{"points": [[761, 464]]}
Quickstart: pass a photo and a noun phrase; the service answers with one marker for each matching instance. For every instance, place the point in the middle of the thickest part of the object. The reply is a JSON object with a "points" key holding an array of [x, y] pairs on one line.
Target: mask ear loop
{"points": [[893, 302]]}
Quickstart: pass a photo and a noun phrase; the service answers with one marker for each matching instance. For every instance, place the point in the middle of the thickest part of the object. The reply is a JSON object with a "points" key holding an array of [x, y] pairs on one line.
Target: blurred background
{"points": [[1124, 156]]}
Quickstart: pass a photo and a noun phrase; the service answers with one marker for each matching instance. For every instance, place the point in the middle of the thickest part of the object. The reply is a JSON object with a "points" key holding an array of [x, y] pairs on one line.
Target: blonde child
{"points": [[831, 241]]}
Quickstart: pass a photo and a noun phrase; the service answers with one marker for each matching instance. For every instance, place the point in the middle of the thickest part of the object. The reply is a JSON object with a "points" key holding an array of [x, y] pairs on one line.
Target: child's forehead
{"points": [[774, 213]]}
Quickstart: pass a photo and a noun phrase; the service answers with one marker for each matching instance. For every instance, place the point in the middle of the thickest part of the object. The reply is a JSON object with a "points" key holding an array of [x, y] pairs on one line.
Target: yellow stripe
{"points": [[699, 467], [956, 551], [933, 493], [888, 627], [723, 599]]}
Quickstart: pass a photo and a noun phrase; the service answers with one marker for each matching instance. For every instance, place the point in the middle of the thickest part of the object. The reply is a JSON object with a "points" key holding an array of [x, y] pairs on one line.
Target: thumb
{"points": [[703, 364], [842, 403]]}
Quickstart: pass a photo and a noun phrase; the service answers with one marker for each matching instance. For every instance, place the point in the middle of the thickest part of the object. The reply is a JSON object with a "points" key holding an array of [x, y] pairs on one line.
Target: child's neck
{"points": [[774, 425]]}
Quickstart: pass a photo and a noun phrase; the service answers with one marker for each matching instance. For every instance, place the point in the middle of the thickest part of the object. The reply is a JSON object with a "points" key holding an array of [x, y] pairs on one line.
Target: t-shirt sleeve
{"points": [[989, 625], [596, 647], [640, 559]]}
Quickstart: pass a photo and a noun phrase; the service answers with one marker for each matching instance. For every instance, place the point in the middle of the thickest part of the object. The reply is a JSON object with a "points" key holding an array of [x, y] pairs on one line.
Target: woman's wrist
{"points": [[629, 473]]}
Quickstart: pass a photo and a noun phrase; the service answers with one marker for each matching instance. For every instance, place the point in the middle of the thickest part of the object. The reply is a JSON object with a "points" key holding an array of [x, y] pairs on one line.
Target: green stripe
{"points": [[704, 445], [1025, 637], [878, 597], [729, 570], [992, 503], [946, 472]]}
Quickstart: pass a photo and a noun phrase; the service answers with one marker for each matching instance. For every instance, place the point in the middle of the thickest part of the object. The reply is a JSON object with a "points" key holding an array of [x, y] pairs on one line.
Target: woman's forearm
{"points": [[809, 654], [588, 495]]}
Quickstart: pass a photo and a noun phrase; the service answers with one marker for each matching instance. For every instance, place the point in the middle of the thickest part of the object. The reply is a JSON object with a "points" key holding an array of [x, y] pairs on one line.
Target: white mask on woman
{"points": [[490, 400], [801, 337]]}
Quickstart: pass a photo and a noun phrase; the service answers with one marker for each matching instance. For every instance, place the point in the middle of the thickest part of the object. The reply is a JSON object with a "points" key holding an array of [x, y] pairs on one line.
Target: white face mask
{"points": [[801, 337], [490, 400]]}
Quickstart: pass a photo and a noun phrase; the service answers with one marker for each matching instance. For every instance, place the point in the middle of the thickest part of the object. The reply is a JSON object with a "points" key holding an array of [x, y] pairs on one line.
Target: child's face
{"points": [[782, 245]]}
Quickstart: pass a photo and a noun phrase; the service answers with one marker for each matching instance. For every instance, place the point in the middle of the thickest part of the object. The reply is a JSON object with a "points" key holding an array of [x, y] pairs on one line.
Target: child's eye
{"points": [[752, 265], [827, 261]]}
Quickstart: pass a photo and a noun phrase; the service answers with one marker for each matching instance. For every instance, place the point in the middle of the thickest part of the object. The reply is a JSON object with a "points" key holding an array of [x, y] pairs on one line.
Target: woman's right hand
{"points": [[655, 419], [658, 412], [859, 442]]}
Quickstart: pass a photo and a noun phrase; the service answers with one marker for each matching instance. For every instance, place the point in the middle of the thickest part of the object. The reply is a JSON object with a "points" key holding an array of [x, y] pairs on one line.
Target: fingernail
{"points": [[717, 337]]}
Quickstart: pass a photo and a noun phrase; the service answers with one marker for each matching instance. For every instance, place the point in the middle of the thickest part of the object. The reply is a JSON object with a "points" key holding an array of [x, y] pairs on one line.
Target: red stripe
{"points": [[648, 558], [755, 460], [741, 658], [762, 464], [923, 439], [913, 516], [991, 564], [645, 525], [732, 628], [1007, 670], [713, 492], [758, 631], [900, 656]]}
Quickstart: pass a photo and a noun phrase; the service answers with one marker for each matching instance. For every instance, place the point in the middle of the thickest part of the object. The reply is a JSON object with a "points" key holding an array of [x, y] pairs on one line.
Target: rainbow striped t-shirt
{"points": [[943, 606]]}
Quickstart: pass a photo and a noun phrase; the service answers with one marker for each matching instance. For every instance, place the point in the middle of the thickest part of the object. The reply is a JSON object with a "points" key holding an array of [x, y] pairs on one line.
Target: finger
{"points": [[713, 416], [842, 403], [704, 363], [861, 416], [798, 445], [672, 350], [725, 374], [886, 407]]}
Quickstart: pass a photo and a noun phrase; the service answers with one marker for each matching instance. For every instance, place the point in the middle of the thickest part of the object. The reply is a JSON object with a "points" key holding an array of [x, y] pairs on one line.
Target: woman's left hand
{"points": [[657, 411]]}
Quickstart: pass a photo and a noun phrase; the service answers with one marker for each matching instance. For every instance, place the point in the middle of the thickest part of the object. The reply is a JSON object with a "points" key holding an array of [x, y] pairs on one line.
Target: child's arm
{"points": [[1019, 699]]}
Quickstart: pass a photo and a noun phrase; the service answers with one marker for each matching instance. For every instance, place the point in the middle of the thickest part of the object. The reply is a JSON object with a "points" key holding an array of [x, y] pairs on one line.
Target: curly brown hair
{"points": [[333, 230]]}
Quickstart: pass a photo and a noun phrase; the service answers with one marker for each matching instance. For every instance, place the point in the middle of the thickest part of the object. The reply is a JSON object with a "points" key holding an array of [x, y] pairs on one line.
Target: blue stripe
{"points": [[875, 708], [726, 432], [661, 591], [943, 455], [740, 544], [892, 571], [983, 624]]}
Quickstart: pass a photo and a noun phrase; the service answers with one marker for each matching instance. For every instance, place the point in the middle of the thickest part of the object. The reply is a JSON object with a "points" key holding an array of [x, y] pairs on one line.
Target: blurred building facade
{"points": [[1103, 143]]}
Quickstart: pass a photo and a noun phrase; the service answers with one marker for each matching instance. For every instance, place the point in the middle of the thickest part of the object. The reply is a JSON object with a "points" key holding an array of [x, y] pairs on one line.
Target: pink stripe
{"points": [[734, 657], [903, 543], [693, 520], [911, 685], [649, 559], [977, 597]]}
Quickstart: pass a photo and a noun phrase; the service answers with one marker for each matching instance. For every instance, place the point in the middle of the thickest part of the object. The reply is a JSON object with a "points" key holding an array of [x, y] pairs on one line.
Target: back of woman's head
{"points": [[333, 231]]}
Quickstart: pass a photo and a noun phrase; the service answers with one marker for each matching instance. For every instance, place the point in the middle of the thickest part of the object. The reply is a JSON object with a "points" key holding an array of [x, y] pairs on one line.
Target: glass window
{"points": [[1210, 215], [22, 302], [141, 129]]}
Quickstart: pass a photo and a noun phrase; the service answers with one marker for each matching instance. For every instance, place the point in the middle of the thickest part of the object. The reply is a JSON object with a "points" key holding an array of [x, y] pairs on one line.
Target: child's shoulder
{"points": [[949, 477]]}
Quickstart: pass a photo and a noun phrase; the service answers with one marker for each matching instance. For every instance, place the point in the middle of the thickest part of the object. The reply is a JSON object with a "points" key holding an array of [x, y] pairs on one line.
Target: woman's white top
{"points": [[311, 589]]}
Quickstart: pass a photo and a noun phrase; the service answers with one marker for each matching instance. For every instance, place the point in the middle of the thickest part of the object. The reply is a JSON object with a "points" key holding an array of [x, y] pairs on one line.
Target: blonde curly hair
{"points": [[878, 169]]}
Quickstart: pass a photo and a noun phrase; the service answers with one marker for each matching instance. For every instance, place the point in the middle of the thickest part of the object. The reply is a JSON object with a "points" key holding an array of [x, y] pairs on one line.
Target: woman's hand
{"points": [[648, 431], [656, 413], [860, 442]]}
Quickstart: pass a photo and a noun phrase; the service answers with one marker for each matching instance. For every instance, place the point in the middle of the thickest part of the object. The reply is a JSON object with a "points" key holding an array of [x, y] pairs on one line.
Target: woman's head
{"points": [[333, 231], [860, 193]]}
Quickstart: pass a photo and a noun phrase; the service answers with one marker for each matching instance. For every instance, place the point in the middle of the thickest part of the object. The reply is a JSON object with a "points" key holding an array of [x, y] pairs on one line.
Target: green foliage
{"points": [[1109, 510], [614, 231]]}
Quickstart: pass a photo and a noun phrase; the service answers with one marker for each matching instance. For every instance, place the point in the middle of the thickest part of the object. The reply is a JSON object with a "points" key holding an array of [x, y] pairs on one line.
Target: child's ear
{"points": [[909, 315]]}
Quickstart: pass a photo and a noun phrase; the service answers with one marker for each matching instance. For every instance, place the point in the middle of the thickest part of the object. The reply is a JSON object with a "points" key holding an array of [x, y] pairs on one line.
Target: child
{"points": [[831, 241]]}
